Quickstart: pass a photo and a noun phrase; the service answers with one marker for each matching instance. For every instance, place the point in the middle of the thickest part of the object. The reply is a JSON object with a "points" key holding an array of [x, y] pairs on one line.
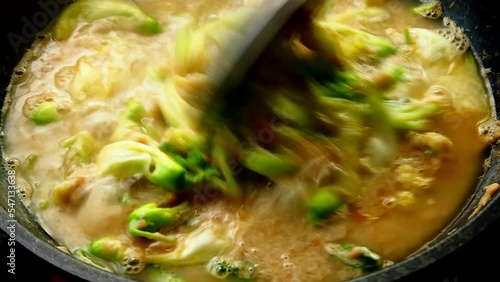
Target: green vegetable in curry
{"points": [[356, 256], [322, 205], [108, 248], [92, 10], [237, 270], [147, 220]]}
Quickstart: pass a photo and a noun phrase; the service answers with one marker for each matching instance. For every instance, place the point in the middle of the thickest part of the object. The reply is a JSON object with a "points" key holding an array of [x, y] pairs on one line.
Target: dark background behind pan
{"points": [[468, 255]]}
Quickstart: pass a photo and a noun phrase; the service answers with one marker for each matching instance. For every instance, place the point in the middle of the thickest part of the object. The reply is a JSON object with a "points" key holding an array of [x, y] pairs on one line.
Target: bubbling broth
{"points": [[352, 142]]}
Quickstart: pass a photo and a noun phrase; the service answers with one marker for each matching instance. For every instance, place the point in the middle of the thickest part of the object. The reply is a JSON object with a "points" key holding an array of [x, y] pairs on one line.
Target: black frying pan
{"points": [[478, 17]]}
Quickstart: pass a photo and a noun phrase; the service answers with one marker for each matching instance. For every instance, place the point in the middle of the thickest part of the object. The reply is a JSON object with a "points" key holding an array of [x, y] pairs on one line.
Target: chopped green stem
{"points": [[92, 10], [146, 220]]}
